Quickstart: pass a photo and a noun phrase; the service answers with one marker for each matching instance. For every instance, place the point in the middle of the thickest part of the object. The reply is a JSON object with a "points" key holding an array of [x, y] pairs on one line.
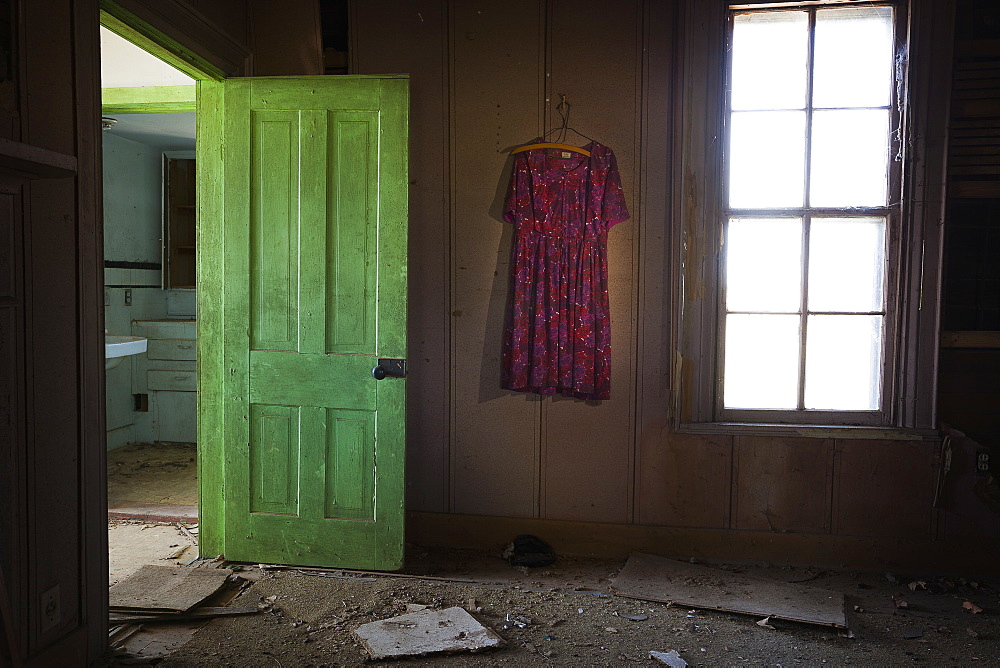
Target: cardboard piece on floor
{"points": [[131, 546], [652, 578], [426, 632], [197, 613], [166, 588], [158, 640]]}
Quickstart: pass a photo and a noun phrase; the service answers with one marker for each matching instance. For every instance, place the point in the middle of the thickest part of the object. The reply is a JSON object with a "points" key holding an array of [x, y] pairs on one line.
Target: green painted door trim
{"points": [[213, 375], [148, 100], [125, 24]]}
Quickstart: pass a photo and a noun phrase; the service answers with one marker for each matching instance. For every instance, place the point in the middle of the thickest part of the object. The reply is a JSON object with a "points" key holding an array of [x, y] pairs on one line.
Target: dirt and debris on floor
{"points": [[132, 545], [153, 473], [565, 614], [153, 481]]}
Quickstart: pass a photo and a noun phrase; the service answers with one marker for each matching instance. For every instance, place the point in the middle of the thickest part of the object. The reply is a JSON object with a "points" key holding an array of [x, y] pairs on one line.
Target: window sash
{"points": [[695, 202], [883, 415]]}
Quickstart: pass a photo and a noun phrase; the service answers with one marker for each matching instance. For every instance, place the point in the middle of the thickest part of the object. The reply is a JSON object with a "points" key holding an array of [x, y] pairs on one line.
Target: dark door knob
{"points": [[389, 368]]}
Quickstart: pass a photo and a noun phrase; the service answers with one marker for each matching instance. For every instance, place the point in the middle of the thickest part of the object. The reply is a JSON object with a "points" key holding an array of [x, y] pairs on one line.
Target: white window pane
{"points": [[764, 264], [770, 51], [766, 159], [843, 359], [762, 361], [849, 158], [846, 264], [853, 57]]}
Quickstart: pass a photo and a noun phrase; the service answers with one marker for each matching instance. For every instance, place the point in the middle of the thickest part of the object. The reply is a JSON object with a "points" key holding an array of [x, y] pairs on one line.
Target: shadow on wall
{"points": [[496, 313]]}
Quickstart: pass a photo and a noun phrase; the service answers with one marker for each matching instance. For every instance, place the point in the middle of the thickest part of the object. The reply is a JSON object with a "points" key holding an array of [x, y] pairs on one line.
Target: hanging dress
{"points": [[558, 332]]}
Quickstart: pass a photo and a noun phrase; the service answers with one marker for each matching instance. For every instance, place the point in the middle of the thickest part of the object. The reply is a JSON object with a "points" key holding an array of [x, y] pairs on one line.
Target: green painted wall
{"points": [[132, 213]]}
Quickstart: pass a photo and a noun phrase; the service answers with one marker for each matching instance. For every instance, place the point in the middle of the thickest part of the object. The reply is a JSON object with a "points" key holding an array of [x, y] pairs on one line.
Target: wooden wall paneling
{"points": [[588, 447], [90, 270], [496, 91], [9, 106], [685, 479], [232, 16], [286, 38], [654, 345], [963, 514], [884, 488], [969, 391], [782, 484], [53, 421], [13, 561], [617, 541], [415, 41]]}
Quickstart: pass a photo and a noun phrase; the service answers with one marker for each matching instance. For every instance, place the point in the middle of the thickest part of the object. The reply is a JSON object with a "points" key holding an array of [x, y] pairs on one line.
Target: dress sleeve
{"points": [[613, 209], [517, 186]]}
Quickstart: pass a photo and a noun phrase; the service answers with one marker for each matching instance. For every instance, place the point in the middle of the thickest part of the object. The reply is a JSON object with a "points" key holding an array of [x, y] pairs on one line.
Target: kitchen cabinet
{"points": [[167, 375], [179, 215]]}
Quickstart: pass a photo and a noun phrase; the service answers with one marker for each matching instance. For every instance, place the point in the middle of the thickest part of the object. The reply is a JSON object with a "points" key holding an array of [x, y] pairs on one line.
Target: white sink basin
{"points": [[117, 348]]}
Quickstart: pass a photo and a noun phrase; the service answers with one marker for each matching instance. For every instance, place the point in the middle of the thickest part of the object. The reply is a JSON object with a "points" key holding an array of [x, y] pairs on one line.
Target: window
{"points": [[811, 104], [801, 220]]}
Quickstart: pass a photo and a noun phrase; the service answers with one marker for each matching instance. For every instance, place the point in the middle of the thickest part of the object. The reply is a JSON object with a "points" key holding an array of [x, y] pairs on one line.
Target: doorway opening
{"points": [[150, 212]]}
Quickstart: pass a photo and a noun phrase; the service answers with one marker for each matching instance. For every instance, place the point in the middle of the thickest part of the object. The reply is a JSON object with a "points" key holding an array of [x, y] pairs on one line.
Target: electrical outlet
{"points": [[983, 462], [107, 298], [128, 297], [51, 609]]}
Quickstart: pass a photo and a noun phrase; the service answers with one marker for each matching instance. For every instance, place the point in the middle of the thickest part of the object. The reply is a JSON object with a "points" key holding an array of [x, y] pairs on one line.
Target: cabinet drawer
{"points": [[178, 381], [165, 329], [171, 349]]}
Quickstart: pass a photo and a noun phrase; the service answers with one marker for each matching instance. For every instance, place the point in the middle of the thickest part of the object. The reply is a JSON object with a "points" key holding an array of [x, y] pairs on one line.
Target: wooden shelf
{"points": [[27, 162], [179, 215], [971, 339]]}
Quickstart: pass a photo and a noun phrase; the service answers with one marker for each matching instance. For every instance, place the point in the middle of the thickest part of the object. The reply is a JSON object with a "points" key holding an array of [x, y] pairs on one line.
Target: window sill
{"points": [[809, 431]]}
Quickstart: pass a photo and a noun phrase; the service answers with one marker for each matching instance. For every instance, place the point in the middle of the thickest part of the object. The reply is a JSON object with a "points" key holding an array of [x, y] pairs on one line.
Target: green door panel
{"points": [[302, 229]]}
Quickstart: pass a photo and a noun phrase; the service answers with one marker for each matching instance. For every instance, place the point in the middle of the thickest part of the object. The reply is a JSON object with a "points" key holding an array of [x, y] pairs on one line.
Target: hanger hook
{"points": [[563, 109]]}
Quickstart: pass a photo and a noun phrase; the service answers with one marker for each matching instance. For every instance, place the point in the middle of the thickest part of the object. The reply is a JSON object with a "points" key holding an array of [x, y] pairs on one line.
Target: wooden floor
{"points": [[154, 482]]}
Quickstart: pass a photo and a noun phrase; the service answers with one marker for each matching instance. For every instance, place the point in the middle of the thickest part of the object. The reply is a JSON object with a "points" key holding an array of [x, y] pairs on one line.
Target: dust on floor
{"points": [[143, 473], [574, 621], [132, 545]]}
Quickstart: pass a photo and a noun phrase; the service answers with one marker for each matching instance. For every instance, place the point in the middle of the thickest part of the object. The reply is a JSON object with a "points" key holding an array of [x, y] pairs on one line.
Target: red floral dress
{"points": [[558, 333]]}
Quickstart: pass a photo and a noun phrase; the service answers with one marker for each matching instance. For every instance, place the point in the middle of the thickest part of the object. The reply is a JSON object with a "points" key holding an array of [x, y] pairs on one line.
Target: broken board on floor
{"points": [[166, 588], [426, 632], [651, 578]]}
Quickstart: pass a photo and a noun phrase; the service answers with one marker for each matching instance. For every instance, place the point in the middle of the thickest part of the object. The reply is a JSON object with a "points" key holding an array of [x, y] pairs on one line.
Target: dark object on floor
{"points": [[529, 551]]}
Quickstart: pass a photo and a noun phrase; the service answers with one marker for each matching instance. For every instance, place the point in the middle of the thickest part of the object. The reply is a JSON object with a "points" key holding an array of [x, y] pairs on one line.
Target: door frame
{"points": [[165, 99]]}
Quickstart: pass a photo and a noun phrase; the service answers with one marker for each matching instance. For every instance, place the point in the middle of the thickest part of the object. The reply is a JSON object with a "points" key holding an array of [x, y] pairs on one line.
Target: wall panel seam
{"points": [[452, 245], [545, 17]]}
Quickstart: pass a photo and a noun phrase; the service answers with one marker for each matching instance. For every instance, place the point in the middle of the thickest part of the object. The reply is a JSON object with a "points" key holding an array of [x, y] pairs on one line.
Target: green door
{"points": [[301, 291]]}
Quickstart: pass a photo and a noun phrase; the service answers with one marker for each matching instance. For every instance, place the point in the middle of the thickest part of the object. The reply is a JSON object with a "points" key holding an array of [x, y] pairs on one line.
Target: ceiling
{"points": [[124, 64], [166, 132]]}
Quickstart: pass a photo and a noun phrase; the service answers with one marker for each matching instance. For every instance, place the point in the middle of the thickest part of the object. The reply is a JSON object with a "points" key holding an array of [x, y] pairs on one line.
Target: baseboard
{"points": [[154, 512], [618, 540]]}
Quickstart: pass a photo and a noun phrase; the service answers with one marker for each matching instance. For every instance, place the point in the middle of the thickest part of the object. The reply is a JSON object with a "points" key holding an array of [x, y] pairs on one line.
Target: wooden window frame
{"points": [[914, 265]]}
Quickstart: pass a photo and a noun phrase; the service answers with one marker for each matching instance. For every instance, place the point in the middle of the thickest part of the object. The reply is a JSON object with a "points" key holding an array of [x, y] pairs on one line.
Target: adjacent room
{"points": [[150, 283], [513, 315]]}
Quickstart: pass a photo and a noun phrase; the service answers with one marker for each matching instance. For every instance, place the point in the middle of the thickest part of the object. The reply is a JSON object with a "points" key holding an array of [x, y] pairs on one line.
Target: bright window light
{"points": [[808, 167]]}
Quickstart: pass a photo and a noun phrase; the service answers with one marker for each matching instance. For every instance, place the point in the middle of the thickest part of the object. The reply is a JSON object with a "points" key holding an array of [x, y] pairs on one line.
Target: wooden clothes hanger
{"points": [[563, 109]]}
